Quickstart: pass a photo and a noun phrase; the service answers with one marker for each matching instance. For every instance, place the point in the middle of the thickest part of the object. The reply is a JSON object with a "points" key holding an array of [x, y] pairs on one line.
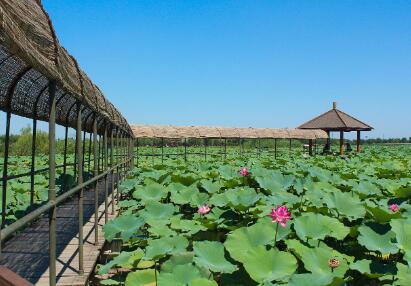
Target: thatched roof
{"points": [[157, 131], [336, 120], [30, 57]]}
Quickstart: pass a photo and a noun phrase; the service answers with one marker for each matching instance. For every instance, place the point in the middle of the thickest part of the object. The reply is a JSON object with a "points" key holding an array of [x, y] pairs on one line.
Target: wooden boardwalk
{"points": [[27, 253]]}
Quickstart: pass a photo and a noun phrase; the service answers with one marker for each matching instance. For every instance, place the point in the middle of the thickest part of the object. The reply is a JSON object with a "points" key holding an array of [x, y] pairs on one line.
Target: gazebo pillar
{"points": [[329, 140], [341, 143], [358, 141]]}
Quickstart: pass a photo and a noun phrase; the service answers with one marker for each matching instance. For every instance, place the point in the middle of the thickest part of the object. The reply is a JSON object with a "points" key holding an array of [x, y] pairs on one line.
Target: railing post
{"points": [[84, 149], [105, 159], [152, 151], [5, 171], [225, 148], [112, 170], [99, 154], [137, 155], [33, 160], [130, 153], [65, 158], [80, 193], [75, 158], [134, 154], [52, 182], [89, 153], [95, 156], [310, 147], [205, 149], [162, 150], [117, 166], [124, 156], [185, 149]]}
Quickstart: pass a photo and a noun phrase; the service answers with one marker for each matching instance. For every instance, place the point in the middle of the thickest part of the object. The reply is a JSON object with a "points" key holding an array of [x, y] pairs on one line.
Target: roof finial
{"points": [[334, 105]]}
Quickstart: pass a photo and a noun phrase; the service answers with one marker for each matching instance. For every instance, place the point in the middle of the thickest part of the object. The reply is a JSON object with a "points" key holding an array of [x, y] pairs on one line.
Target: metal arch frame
{"points": [[53, 200], [9, 96], [33, 145]]}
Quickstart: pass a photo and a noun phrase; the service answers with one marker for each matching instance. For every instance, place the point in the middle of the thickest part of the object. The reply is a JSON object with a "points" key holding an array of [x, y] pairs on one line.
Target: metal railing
{"points": [[121, 160]]}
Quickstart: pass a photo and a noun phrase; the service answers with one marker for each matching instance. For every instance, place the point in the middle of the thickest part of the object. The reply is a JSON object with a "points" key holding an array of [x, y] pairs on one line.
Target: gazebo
{"points": [[335, 120]]}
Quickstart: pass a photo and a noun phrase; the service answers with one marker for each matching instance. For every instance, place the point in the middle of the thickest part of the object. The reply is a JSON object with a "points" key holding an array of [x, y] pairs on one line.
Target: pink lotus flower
{"points": [[280, 215], [333, 262], [244, 172], [203, 210], [394, 208]]}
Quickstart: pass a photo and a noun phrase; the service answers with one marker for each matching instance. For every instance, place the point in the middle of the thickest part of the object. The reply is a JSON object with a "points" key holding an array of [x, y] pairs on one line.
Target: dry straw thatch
{"points": [[180, 132], [31, 57]]}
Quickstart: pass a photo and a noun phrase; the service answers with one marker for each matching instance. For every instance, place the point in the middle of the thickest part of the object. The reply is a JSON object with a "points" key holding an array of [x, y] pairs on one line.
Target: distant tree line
{"points": [[388, 140], [20, 144]]}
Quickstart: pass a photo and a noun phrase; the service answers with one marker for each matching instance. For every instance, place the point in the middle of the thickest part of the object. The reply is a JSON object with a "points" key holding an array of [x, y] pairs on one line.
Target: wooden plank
{"points": [[9, 278]]}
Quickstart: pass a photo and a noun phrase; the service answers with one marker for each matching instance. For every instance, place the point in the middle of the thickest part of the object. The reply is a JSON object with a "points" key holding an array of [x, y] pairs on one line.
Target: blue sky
{"points": [[245, 63]]}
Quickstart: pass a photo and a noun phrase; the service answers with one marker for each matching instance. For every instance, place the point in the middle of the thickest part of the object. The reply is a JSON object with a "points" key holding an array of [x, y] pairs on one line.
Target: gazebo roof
{"points": [[336, 120]]}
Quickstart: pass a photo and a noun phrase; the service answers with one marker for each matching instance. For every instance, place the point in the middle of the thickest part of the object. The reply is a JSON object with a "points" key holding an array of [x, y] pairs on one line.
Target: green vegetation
{"points": [[349, 222], [19, 189], [20, 144]]}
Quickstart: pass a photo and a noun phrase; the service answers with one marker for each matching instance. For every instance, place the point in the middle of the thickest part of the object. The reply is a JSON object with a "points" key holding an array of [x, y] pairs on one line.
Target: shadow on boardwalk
{"points": [[27, 253]]}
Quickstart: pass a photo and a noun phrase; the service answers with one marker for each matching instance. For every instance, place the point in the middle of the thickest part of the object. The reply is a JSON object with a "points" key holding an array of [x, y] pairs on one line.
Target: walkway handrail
{"points": [[35, 172], [16, 226]]}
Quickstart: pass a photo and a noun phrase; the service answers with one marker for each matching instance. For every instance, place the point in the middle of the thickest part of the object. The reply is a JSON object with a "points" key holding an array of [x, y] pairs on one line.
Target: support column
{"points": [[162, 150], [152, 151], [117, 162], [95, 161], [124, 155], [89, 152], [185, 149], [358, 141], [33, 161], [84, 148], [112, 170], [65, 158], [52, 183], [328, 141], [310, 147], [341, 143], [225, 148], [205, 149], [137, 159], [105, 160], [80, 193]]}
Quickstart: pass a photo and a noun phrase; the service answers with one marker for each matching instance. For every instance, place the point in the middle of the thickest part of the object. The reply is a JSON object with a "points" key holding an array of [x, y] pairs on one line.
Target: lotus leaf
{"points": [[210, 255]]}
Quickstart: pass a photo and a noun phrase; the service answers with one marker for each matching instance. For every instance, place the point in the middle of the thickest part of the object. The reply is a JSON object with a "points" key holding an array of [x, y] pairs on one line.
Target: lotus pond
{"points": [[322, 220]]}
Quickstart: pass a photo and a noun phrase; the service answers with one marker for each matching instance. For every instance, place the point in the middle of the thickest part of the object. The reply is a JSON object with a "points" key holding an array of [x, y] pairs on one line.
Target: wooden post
{"points": [[52, 184], [328, 144], [9, 278], [310, 147], [95, 161], [341, 143], [358, 141], [80, 196]]}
